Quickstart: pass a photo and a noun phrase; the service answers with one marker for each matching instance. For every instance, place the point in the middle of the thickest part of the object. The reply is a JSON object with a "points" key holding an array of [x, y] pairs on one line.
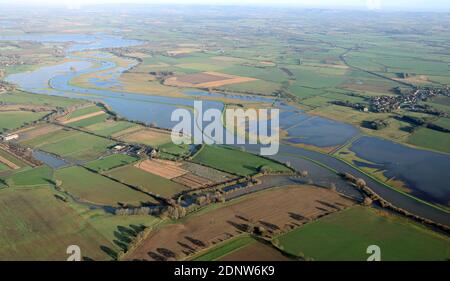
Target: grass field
{"points": [[94, 188], [225, 248], [15, 119], [119, 230], [149, 182], [346, 236], [83, 111], [110, 162], [235, 161], [36, 177], [37, 226], [432, 139], [109, 128], [71, 144], [37, 99]]}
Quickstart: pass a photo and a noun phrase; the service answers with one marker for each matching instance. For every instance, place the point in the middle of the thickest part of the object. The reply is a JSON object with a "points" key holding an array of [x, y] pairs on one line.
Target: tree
{"points": [[360, 183], [367, 201], [333, 186]]}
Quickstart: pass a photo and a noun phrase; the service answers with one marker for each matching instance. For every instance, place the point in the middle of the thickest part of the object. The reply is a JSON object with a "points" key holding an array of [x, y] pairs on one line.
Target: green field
{"points": [[173, 149], [110, 162], [346, 236], [119, 230], [37, 99], [94, 188], [225, 248], [148, 182], [40, 176], [235, 161], [432, 139], [83, 111], [15, 119], [37, 226], [71, 144], [109, 128]]}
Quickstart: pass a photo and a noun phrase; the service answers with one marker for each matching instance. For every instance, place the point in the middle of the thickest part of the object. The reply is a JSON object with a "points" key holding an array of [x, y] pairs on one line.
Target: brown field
{"points": [[191, 180], [162, 168], [83, 117], [8, 163], [277, 209], [146, 136], [34, 132], [206, 80], [255, 252]]}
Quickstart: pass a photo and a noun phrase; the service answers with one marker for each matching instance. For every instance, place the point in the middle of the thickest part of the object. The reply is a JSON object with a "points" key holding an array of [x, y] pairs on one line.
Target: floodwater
{"points": [[426, 173], [428, 169], [49, 159]]}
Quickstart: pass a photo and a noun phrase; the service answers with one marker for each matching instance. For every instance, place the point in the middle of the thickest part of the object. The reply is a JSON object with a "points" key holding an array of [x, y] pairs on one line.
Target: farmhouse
{"points": [[9, 137]]}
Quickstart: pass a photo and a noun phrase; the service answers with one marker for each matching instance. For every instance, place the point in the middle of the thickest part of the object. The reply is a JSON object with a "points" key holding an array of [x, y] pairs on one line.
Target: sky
{"points": [[416, 5]]}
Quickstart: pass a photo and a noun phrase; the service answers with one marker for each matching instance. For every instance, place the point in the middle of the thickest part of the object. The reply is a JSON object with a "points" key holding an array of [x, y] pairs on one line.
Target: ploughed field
{"points": [[276, 210]]}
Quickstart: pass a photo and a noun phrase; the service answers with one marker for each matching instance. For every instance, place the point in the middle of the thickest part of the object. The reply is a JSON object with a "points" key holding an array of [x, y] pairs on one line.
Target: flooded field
{"points": [[428, 179], [424, 172]]}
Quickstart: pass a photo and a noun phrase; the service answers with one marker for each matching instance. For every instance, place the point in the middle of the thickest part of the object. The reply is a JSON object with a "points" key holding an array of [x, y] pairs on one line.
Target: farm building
{"points": [[9, 137]]}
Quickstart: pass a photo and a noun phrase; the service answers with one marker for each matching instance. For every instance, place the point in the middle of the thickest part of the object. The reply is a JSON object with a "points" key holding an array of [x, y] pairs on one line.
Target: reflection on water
{"points": [[49, 159], [426, 173]]}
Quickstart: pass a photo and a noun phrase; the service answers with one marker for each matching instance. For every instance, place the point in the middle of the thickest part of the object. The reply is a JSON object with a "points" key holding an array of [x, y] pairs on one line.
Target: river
{"points": [[301, 127]]}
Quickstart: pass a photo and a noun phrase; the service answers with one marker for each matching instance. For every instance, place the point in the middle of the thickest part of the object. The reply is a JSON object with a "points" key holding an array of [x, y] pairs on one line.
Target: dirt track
{"points": [[83, 117]]}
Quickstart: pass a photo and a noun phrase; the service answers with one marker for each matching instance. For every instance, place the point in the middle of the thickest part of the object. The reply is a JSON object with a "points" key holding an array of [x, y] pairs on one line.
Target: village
{"points": [[409, 101]]}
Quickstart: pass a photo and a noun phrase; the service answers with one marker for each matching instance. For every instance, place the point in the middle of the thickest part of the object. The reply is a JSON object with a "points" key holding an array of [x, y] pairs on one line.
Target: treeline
{"points": [[422, 122]]}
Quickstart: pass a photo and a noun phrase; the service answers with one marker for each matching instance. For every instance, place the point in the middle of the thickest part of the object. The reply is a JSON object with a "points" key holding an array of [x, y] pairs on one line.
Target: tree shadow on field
{"points": [[110, 252], [322, 209], [251, 168], [126, 230], [297, 217], [242, 218], [166, 252], [329, 205], [137, 228], [196, 242], [122, 237], [186, 246], [156, 256], [242, 227], [269, 225]]}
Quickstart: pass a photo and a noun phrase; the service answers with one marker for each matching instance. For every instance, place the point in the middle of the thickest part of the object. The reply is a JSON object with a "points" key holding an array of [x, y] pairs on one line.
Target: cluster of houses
{"points": [[407, 100], [10, 60]]}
